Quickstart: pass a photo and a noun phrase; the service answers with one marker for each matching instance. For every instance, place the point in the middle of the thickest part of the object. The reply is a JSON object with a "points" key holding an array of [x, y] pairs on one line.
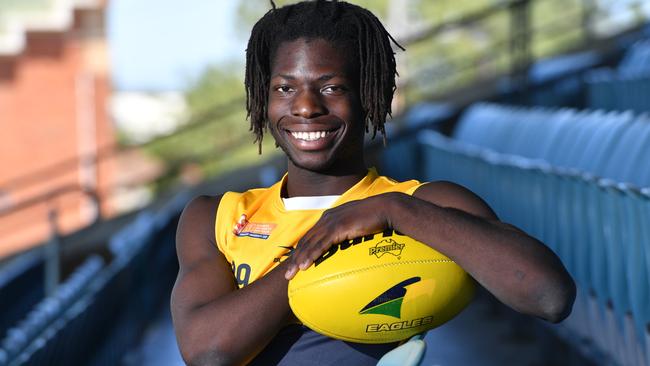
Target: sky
{"points": [[162, 45]]}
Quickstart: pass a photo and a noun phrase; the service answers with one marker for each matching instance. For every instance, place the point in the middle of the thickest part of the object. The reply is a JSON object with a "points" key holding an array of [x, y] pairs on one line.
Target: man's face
{"points": [[314, 109]]}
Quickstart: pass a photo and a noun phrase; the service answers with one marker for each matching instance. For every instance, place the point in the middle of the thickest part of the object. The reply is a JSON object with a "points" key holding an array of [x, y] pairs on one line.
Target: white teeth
{"points": [[309, 136]]}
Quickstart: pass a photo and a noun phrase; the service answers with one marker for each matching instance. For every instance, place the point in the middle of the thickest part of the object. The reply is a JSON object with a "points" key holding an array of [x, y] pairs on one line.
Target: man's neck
{"points": [[302, 182]]}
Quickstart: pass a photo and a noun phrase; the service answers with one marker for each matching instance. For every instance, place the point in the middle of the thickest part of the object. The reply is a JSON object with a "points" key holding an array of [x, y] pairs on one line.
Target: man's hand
{"points": [[347, 221]]}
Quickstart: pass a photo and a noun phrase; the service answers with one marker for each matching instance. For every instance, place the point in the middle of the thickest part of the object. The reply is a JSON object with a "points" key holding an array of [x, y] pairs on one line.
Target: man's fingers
{"points": [[308, 249], [305, 264], [291, 271], [297, 258], [313, 252], [302, 259]]}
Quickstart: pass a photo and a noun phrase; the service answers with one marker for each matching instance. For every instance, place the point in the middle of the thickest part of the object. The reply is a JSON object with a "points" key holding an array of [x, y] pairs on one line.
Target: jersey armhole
{"points": [[412, 190], [223, 220]]}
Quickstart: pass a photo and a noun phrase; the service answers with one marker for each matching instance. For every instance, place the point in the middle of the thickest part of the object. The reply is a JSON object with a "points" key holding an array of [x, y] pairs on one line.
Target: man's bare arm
{"points": [[518, 269], [216, 323]]}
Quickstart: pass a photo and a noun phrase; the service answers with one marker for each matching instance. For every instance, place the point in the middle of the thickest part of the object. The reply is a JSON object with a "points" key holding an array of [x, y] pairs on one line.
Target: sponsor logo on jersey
{"points": [[287, 254], [387, 246], [239, 225], [257, 230], [390, 301]]}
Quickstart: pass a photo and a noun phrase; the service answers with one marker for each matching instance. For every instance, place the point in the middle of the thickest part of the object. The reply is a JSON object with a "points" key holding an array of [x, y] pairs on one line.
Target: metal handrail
{"points": [[467, 60], [460, 21], [108, 151], [518, 68], [49, 196]]}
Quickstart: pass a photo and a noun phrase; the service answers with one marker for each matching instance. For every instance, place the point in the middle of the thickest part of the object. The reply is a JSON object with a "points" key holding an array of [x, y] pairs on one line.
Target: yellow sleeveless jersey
{"points": [[255, 232]]}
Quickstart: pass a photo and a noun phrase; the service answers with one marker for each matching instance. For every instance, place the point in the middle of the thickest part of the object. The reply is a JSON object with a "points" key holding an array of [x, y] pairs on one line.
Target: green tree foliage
{"points": [[218, 85], [460, 55], [216, 138]]}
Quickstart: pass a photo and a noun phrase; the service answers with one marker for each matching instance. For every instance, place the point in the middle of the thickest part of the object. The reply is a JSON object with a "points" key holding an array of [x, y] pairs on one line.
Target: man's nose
{"points": [[308, 104]]}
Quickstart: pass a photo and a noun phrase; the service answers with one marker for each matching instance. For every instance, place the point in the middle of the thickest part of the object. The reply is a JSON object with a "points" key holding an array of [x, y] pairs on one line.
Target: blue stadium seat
{"points": [[401, 159], [536, 135], [643, 207], [575, 199], [131, 238], [601, 93], [636, 60], [636, 233], [99, 326], [428, 114], [606, 134], [49, 309], [624, 163], [566, 133], [557, 80], [615, 92], [472, 128], [626, 88], [581, 152], [22, 281], [626, 269]]}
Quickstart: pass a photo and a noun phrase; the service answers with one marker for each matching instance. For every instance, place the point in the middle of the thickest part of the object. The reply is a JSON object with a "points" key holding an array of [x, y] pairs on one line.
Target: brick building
{"points": [[54, 88]]}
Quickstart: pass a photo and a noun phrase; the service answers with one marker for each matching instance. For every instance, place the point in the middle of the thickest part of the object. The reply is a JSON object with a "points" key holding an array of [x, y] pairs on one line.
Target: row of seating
{"points": [[636, 60], [609, 145], [22, 281], [608, 90], [48, 310], [100, 322], [625, 88], [559, 174], [595, 227], [558, 80]]}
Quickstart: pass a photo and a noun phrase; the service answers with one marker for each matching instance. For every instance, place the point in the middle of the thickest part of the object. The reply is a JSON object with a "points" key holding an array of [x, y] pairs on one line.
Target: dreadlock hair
{"points": [[346, 25]]}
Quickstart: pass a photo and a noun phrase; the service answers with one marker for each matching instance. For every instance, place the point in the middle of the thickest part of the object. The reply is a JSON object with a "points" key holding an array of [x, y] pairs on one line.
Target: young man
{"points": [[319, 75]]}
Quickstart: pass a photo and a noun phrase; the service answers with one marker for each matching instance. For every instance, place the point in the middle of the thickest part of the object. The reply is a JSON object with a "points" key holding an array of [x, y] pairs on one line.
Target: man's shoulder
{"points": [[201, 208], [443, 188], [383, 183], [453, 195]]}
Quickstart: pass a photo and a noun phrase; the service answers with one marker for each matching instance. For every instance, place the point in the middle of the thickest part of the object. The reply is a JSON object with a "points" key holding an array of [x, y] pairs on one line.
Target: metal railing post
{"points": [[587, 19], [520, 45], [52, 255], [95, 202]]}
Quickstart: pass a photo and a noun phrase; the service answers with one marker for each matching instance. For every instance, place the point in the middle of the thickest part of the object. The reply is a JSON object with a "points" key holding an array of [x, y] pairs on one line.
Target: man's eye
{"points": [[284, 89], [333, 89]]}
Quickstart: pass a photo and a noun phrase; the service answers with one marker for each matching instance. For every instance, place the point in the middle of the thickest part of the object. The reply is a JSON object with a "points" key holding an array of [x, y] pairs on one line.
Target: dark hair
{"points": [[339, 22]]}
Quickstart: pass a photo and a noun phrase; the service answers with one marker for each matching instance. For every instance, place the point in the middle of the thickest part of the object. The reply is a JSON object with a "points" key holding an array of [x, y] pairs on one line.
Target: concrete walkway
{"points": [[159, 346]]}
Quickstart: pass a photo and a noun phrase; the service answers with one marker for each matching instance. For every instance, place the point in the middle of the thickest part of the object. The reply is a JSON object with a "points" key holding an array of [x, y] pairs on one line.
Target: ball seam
{"points": [[339, 275]]}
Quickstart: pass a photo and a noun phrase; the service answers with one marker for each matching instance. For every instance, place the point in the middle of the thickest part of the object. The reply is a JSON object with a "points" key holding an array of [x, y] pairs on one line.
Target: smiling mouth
{"points": [[315, 140], [309, 136]]}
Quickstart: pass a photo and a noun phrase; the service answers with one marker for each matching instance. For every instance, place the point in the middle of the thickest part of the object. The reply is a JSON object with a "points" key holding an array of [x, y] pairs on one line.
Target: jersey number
{"points": [[242, 273]]}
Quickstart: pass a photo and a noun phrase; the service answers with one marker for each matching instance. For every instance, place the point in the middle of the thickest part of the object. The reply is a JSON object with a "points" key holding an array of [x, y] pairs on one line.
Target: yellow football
{"points": [[379, 288]]}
